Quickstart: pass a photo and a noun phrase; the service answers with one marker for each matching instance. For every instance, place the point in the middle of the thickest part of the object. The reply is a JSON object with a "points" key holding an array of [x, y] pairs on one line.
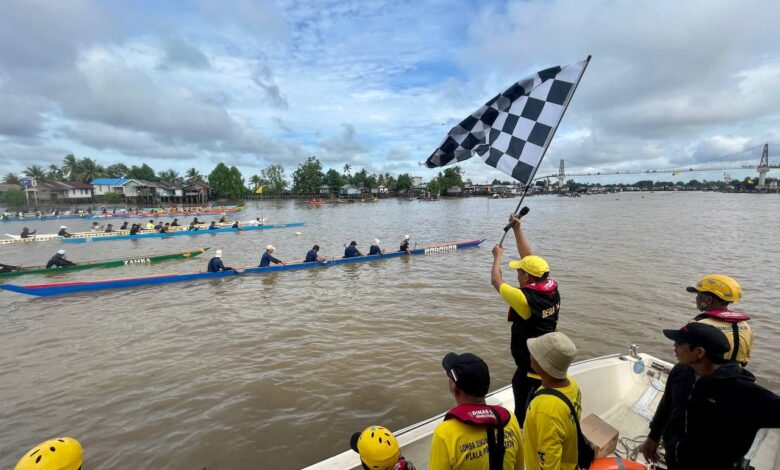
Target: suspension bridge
{"points": [[730, 162]]}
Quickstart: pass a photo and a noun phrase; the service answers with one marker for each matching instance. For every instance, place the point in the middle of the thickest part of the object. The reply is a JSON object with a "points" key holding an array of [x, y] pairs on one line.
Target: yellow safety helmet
{"points": [[722, 286], [62, 453], [534, 265], [377, 447]]}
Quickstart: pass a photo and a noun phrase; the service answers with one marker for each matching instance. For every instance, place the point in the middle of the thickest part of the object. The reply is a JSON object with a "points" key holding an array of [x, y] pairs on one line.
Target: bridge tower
{"points": [[561, 176], [763, 167]]}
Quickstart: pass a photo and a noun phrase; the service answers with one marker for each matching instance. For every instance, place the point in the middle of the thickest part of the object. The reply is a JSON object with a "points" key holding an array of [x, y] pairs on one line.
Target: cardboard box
{"points": [[603, 436]]}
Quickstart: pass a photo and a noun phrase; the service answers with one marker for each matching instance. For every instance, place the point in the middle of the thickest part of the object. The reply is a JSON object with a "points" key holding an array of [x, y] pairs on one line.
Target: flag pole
{"points": [[544, 152]]}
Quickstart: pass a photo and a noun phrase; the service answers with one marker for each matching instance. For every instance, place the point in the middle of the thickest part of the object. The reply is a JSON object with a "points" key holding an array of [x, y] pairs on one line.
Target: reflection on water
{"points": [[220, 373]]}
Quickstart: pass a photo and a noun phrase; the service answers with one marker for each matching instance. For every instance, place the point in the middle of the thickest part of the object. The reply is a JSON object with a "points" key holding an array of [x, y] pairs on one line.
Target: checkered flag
{"points": [[511, 132]]}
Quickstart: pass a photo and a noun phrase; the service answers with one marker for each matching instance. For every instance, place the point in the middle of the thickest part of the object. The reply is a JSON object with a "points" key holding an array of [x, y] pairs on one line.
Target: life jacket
{"points": [[615, 463], [492, 418], [541, 296], [732, 318]]}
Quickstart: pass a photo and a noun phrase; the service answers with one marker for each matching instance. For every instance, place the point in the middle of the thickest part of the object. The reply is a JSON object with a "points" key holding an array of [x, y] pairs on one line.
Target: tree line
{"points": [[228, 182]]}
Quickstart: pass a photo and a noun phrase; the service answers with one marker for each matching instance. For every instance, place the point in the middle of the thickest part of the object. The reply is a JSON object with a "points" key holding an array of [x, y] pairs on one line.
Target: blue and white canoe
{"points": [[61, 288], [105, 237]]}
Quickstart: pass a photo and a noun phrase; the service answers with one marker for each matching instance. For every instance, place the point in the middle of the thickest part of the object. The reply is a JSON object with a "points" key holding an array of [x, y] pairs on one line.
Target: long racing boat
{"points": [[84, 286], [114, 263], [148, 212], [81, 237]]}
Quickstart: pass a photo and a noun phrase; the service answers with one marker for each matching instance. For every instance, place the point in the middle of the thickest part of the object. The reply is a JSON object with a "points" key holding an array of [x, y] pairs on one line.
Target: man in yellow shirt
{"points": [[714, 294], [550, 432], [474, 435], [533, 310]]}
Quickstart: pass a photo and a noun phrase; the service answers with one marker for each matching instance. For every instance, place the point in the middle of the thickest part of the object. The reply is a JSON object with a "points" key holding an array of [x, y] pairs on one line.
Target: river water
{"points": [[277, 370]]}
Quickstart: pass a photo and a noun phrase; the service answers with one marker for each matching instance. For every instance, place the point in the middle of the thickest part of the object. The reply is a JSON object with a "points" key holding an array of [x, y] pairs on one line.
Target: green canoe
{"points": [[114, 263]]}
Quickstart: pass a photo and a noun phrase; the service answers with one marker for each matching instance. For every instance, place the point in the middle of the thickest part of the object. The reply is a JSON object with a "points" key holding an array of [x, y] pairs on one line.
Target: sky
{"points": [[378, 84]]}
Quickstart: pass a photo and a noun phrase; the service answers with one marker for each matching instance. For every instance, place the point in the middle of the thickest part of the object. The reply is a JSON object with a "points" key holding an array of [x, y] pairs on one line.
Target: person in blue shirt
{"points": [[405, 243], [375, 250], [268, 258], [216, 265], [313, 255], [213, 225], [351, 251]]}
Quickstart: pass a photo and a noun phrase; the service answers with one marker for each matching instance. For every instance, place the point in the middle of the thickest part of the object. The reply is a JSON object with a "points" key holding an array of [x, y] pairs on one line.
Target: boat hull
{"points": [[107, 264], [104, 238], [85, 286]]}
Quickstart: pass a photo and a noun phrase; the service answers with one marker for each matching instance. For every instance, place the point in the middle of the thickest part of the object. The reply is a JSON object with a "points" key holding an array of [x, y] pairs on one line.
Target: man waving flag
{"points": [[511, 132]]}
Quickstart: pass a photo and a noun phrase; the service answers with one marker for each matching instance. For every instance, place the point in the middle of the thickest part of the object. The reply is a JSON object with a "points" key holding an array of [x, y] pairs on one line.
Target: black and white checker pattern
{"points": [[511, 131]]}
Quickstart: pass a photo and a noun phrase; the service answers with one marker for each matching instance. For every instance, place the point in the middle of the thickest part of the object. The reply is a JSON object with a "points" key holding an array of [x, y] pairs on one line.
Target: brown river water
{"points": [[277, 370]]}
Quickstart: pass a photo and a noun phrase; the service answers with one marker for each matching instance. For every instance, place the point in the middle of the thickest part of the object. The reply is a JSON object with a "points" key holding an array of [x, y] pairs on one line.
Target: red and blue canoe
{"points": [[84, 286]]}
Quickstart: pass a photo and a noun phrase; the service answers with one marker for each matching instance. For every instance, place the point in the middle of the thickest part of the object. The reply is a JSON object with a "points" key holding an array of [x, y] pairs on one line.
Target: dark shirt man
{"points": [[533, 311], [268, 258], [175, 223], [351, 251], [26, 233], [59, 260], [7, 268], [124, 226], [135, 229], [405, 244], [216, 265], [109, 228], [313, 255], [213, 226], [63, 232], [708, 400], [374, 249], [158, 227], [164, 228]]}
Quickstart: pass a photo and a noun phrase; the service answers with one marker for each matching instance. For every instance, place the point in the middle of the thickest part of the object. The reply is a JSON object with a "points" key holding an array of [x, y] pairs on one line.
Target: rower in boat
{"points": [[59, 260], [405, 244], [150, 225], [175, 223], [195, 221], [213, 226], [351, 251], [124, 226], [216, 265], [26, 233], [158, 227], [374, 249], [95, 227], [268, 258], [193, 225], [109, 228], [223, 219], [63, 232], [135, 229], [236, 225], [313, 255], [7, 268], [165, 228], [62, 453]]}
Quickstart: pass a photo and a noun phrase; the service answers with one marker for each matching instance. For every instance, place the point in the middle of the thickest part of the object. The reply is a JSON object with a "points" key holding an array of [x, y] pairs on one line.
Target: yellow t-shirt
{"points": [[550, 434], [516, 299], [457, 445], [745, 337]]}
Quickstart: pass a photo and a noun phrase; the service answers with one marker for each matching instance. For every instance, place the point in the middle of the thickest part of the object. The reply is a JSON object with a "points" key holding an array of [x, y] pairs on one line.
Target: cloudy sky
{"points": [[377, 84]]}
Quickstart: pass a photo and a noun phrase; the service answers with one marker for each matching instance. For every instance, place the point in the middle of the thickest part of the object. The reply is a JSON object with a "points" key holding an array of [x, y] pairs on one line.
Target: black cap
{"points": [[700, 334], [469, 372], [353, 242]]}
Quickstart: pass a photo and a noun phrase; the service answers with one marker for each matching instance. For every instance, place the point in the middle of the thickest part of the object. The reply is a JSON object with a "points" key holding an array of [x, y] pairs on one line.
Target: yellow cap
{"points": [[377, 447], [534, 265], [724, 287], [62, 453]]}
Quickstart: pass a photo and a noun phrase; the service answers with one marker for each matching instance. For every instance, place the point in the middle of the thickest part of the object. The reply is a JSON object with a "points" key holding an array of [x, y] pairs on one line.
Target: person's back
{"points": [[739, 328], [727, 408], [458, 445], [550, 433]]}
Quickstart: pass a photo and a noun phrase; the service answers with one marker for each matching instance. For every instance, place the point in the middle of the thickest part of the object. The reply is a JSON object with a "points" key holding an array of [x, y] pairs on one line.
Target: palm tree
{"points": [[54, 173], [193, 175], [256, 182], [87, 170], [35, 172], [347, 168], [69, 166], [170, 177], [12, 178]]}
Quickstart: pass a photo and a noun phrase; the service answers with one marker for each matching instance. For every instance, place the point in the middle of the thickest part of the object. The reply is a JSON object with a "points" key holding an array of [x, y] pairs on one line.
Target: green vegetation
{"points": [[308, 177], [274, 180], [14, 198], [112, 198]]}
